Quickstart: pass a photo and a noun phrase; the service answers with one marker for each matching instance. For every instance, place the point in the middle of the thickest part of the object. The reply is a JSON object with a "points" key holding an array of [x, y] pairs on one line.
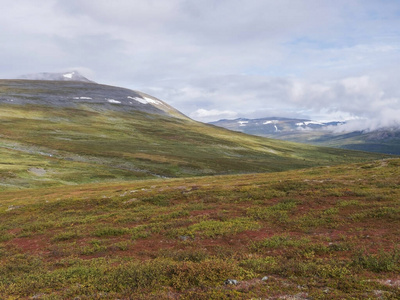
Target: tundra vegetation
{"points": [[318, 233]]}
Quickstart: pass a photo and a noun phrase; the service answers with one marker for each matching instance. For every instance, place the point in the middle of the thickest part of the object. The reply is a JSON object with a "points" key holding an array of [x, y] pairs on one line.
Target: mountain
{"points": [[273, 126], [65, 76], [384, 140], [81, 95], [72, 132]]}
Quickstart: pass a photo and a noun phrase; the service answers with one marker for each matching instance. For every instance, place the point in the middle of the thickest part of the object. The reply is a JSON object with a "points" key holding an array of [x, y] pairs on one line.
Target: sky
{"points": [[216, 59]]}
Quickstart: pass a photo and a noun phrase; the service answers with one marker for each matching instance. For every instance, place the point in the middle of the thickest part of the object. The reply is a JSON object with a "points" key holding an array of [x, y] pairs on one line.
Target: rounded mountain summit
{"points": [[71, 89]]}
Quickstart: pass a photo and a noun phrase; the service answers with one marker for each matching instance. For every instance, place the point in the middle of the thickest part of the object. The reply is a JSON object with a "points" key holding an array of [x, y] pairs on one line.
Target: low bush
{"points": [[65, 236], [212, 228], [110, 231], [383, 261]]}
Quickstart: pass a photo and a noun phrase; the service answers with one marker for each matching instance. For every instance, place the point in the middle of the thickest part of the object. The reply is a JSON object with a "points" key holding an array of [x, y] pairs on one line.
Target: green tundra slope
{"points": [[57, 133]]}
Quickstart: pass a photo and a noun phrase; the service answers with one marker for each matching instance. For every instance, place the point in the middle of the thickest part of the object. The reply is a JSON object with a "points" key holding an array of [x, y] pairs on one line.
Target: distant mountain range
{"points": [[273, 125], [384, 140]]}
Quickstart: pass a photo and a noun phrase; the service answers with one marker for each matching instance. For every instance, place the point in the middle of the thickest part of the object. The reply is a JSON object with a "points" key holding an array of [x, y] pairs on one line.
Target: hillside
{"points": [[320, 233], [70, 132], [384, 140]]}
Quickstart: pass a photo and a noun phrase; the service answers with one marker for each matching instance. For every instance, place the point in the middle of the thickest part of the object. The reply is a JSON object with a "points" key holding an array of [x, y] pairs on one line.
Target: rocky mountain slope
{"points": [[81, 95]]}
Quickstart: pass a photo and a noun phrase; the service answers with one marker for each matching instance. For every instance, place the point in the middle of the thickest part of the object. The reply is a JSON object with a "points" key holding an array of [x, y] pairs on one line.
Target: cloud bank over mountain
{"points": [[220, 59]]}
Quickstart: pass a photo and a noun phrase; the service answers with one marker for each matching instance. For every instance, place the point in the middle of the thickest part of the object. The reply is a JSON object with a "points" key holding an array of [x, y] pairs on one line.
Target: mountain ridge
{"points": [[319, 133]]}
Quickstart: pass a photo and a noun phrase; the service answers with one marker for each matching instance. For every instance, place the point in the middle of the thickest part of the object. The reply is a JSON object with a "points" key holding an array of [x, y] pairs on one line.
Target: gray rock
{"points": [[184, 237], [231, 282], [265, 278]]}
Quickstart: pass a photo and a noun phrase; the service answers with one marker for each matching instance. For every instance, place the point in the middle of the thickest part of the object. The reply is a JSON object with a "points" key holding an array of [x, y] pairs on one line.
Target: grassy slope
{"points": [[320, 233], [47, 146], [379, 141]]}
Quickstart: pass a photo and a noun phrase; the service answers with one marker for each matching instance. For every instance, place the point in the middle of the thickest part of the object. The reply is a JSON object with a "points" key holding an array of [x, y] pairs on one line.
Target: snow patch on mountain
{"points": [[64, 76], [141, 100], [153, 101], [270, 122], [69, 75], [113, 101], [83, 98], [146, 100], [313, 123]]}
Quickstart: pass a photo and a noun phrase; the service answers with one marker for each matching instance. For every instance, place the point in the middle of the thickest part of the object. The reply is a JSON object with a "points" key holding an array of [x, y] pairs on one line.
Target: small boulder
{"points": [[184, 237], [265, 278], [231, 282]]}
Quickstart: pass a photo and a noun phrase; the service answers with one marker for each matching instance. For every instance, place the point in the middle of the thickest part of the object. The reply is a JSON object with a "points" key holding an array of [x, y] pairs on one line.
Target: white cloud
{"points": [[213, 114], [382, 119], [365, 96]]}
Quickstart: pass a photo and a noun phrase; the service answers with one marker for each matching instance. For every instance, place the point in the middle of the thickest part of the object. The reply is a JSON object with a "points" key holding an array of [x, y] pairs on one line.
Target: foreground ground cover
{"points": [[321, 233]]}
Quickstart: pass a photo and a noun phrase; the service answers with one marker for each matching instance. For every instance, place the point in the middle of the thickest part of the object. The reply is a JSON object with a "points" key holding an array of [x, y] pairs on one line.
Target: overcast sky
{"points": [[214, 59]]}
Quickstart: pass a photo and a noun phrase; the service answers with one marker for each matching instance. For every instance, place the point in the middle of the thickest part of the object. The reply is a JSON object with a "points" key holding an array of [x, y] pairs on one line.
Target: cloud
{"points": [[365, 96], [382, 119], [213, 114]]}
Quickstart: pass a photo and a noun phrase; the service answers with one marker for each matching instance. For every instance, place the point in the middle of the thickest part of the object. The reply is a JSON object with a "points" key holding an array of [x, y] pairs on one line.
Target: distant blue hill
{"points": [[384, 140]]}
